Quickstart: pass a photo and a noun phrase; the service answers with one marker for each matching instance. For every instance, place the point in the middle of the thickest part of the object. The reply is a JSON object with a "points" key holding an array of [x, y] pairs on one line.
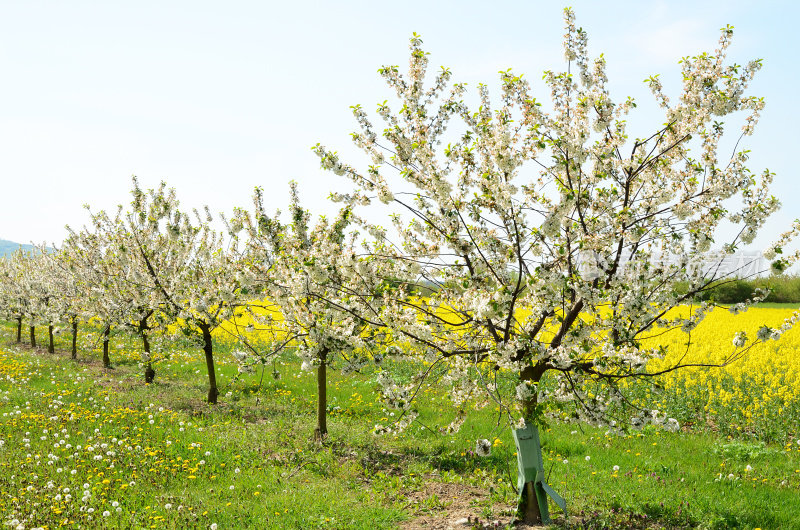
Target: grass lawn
{"points": [[94, 448]]}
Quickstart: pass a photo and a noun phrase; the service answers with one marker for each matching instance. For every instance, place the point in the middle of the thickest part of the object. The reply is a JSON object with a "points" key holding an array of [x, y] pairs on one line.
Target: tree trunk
{"points": [[208, 349], [106, 334], [74, 338], [322, 397], [51, 348], [533, 491], [531, 513], [19, 329], [529, 455], [149, 373], [33, 336]]}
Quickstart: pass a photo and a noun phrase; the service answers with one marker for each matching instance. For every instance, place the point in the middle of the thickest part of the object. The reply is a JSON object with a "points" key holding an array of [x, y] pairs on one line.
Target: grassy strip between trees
{"points": [[158, 456]]}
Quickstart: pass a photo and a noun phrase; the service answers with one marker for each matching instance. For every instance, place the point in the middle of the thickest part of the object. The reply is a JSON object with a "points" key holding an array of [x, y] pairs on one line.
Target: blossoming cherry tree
{"points": [[552, 239]]}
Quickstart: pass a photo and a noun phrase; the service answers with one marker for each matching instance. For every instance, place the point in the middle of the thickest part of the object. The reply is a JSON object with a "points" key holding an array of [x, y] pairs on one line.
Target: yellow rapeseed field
{"points": [[759, 392]]}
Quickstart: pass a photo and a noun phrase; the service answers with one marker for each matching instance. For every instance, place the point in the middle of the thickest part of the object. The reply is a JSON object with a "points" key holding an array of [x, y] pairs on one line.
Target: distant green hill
{"points": [[8, 247]]}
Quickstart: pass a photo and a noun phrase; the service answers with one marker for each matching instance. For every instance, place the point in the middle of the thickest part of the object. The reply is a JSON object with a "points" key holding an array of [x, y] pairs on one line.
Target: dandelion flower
{"points": [[483, 447]]}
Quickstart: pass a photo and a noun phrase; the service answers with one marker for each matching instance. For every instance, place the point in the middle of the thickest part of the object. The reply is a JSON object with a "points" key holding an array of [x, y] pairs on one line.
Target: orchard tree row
{"points": [[517, 252]]}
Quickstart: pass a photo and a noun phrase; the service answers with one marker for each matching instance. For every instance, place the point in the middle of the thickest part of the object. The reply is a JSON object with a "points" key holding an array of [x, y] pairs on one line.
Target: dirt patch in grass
{"points": [[444, 506], [449, 506]]}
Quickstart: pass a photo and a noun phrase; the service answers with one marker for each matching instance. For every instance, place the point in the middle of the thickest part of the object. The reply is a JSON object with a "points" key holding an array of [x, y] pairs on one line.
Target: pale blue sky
{"points": [[218, 97]]}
